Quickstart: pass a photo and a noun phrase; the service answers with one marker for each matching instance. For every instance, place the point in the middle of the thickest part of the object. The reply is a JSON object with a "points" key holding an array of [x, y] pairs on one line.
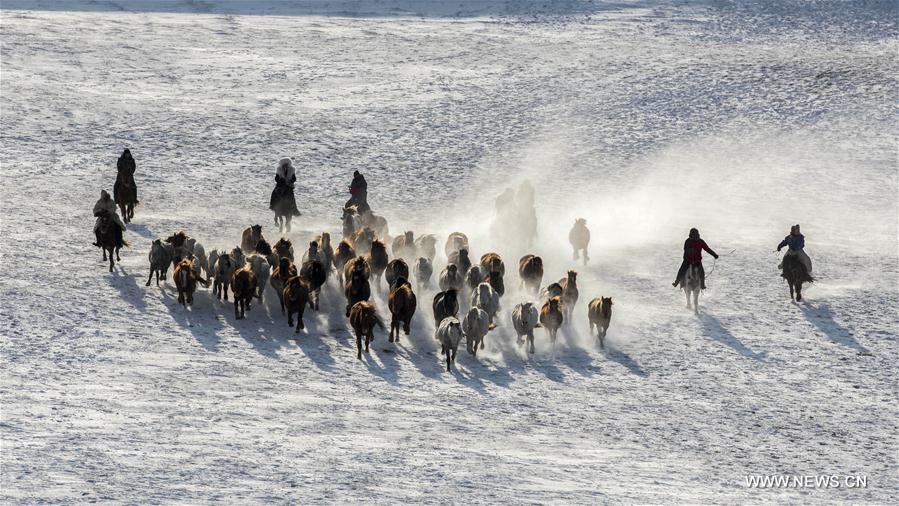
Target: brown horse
{"points": [[454, 242], [284, 248], [295, 296], [324, 245], [185, 278], [396, 269], [356, 264], [243, 287], [569, 292], [344, 254], [461, 260], [363, 318], [356, 289], [530, 271], [445, 304], [402, 303], [250, 237], [599, 312], [314, 274], [362, 240], [378, 260], [551, 318], [280, 276], [492, 262]]}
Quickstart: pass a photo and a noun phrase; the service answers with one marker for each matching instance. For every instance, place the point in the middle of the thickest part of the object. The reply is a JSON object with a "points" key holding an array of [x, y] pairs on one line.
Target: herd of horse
{"points": [[466, 305]]}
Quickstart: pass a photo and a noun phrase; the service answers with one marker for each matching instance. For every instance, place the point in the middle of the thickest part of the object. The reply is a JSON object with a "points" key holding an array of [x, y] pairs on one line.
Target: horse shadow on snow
{"points": [[718, 332], [822, 318]]}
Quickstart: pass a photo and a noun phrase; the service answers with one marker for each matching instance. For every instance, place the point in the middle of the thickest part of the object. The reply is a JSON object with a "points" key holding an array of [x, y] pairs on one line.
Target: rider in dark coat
{"points": [[358, 193], [125, 178], [282, 196], [693, 247]]}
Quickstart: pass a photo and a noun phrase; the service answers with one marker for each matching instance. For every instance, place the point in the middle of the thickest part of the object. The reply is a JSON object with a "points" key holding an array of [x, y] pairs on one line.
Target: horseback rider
{"points": [[358, 193], [693, 247], [282, 195], [125, 176], [105, 208], [795, 243]]}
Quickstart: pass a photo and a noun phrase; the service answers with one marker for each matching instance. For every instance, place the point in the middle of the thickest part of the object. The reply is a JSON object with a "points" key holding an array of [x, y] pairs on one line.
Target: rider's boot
{"points": [[97, 236]]}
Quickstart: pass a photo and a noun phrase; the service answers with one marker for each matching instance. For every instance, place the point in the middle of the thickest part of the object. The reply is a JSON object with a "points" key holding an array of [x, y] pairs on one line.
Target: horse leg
{"points": [[287, 224], [531, 341], [790, 283], [290, 318], [111, 261], [225, 289], [358, 345], [696, 302], [150, 279], [798, 292], [117, 257]]}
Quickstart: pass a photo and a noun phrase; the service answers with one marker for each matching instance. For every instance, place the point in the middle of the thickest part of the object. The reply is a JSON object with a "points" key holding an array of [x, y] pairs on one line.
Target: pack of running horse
{"points": [[363, 225]]}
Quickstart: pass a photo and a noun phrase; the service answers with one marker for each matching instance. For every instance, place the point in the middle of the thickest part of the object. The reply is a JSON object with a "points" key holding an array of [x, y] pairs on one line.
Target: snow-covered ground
{"points": [[645, 118]]}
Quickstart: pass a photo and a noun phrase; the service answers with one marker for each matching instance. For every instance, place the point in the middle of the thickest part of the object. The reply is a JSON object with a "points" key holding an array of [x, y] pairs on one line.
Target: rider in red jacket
{"points": [[693, 247]]}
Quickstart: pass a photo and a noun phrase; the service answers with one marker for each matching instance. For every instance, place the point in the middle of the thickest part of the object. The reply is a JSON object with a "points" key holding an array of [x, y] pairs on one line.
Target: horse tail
{"points": [[125, 244]]}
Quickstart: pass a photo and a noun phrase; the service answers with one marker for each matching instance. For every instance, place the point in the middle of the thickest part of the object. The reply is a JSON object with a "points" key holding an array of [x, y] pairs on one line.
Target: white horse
{"points": [[525, 318], [449, 333], [423, 270], [486, 298], [262, 269], [691, 285], [475, 326]]}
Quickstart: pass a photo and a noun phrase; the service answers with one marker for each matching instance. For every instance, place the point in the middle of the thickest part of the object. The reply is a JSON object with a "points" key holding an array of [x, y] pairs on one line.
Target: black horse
{"points": [[125, 190], [284, 204], [110, 237], [795, 273]]}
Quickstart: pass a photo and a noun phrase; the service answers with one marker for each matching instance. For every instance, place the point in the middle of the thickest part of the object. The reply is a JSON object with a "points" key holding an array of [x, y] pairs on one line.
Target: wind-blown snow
{"points": [[645, 118]]}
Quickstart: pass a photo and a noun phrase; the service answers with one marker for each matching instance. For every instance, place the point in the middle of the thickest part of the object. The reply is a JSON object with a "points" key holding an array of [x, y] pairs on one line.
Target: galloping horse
{"points": [[691, 285], [107, 237], [795, 274], [125, 190]]}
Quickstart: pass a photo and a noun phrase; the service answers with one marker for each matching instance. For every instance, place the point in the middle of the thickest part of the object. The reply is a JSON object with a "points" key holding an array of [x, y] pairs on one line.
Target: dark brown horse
{"points": [[402, 303], [356, 289], [397, 269], [363, 318], [344, 254], [795, 273], [599, 312], [280, 276], [108, 240], [295, 296], [530, 271], [243, 287], [378, 260], [284, 248]]}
